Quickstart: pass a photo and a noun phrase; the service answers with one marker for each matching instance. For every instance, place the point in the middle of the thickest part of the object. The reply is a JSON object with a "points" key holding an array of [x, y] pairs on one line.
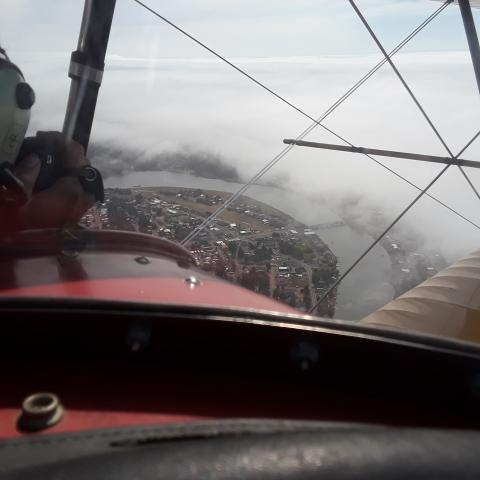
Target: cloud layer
{"points": [[165, 110], [166, 101]]}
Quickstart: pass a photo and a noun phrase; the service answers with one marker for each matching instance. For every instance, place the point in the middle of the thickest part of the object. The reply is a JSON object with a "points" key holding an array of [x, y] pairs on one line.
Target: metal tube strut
{"points": [[386, 153], [86, 69], [472, 37]]}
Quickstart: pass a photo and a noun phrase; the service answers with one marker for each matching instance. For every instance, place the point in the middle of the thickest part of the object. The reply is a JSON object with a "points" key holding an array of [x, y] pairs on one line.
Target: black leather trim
{"points": [[248, 450]]}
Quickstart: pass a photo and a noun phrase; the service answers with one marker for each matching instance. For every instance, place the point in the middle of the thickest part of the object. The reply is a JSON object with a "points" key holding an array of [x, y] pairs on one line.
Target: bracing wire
{"points": [[463, 171], [279, 156], [379, 238], [337, 103], [236, 67], [383, 61], [427, 118], [472, 186], [399, 75], [468, 144], [410, 92]]}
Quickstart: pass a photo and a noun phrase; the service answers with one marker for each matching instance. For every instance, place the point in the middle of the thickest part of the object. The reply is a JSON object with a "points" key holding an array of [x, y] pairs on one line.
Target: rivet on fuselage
{"points": [[142, 260], [192, 281]]}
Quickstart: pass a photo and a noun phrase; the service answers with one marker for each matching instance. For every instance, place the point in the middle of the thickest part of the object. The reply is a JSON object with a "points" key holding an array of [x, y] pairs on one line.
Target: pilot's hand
{"points": [[61, 205]]}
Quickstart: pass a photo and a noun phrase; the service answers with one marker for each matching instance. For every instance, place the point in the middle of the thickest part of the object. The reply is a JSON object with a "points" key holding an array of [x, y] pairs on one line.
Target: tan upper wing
{"points": [[447, 304]]}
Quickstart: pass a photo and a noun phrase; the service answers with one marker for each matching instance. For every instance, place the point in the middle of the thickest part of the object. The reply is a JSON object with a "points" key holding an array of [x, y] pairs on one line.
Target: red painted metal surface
{"points": [[166, 290], [111, 265], [108, 398], [120, 267], [80, 420]]}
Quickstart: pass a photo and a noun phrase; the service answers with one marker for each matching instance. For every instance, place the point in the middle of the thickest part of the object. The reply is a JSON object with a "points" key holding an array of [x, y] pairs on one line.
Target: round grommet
{"points": [[40, 411]]}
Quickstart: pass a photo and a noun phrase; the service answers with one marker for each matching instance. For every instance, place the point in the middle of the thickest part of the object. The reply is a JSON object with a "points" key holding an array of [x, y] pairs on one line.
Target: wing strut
{"points": [[386, 153], [86, 69], [472, 37]]}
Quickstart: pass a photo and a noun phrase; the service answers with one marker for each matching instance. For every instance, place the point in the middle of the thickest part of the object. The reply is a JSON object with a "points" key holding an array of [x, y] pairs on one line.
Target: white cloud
{"points": [[155, 104]]}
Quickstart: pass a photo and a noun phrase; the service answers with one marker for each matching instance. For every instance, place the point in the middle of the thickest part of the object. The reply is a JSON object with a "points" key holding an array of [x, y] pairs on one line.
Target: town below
{"points": [[251, 243]]}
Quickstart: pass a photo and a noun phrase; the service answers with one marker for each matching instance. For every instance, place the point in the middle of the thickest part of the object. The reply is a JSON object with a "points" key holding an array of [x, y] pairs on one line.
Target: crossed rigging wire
{"points": [[408, 89], [432, 126], [469, 181], [316, 122], [379, 238], [277, 158]]}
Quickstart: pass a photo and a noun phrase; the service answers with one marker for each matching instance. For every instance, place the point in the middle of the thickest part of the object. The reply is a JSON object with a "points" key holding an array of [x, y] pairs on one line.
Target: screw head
{"points": [[305, 355], [142, 260]]}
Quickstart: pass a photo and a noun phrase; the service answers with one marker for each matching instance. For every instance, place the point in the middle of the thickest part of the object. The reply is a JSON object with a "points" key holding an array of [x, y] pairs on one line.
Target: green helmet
{"points": [[16, 100]]}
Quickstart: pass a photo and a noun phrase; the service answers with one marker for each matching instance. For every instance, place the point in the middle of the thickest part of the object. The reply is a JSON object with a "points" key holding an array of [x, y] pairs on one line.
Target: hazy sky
{"points": [[236, 27], [162, 92]]}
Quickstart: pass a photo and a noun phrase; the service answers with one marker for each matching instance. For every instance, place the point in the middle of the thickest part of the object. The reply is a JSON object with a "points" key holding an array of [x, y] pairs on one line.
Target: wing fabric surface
{"points": [[447, 304]]}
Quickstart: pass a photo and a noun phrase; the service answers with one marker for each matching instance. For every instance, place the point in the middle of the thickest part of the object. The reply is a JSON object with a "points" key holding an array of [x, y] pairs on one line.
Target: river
{"points": [[364, 290]]}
